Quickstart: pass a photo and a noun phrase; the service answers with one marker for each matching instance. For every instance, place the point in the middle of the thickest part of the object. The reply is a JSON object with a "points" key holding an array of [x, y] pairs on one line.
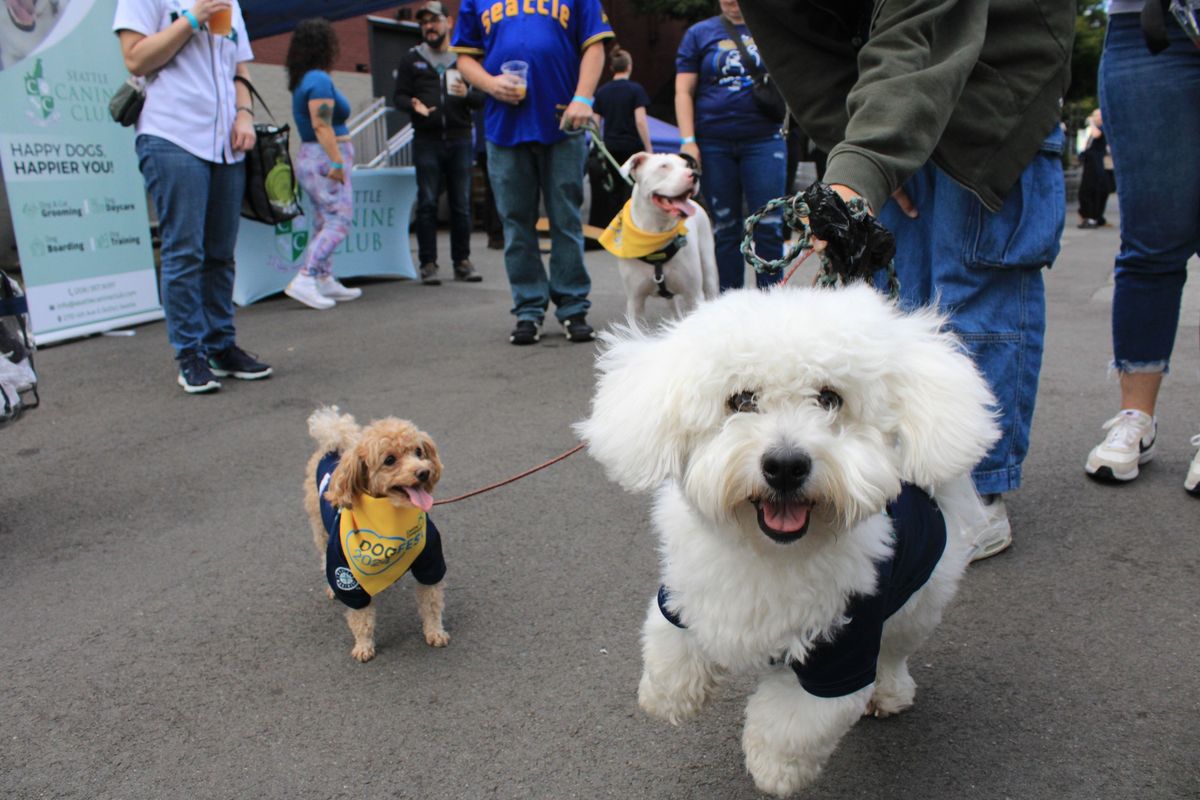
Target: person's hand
{"points": [[206, 8], [243, 137], [906, 204], [457, 88], [692, 149], [338, 175], [421, 108], [506, 89], [575, 116]]}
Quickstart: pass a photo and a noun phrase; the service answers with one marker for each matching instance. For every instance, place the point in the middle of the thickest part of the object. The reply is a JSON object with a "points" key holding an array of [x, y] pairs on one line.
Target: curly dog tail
{"points": [[333, 430]]}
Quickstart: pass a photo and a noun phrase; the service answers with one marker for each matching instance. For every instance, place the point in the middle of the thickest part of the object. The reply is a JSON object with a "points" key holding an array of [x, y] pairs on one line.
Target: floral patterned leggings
{"points": [[330, 205]]}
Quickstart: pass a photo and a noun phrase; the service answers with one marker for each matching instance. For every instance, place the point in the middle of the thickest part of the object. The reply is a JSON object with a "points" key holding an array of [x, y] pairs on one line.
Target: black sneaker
{"points": [[465, 271], [526, 332], [195, 376], [578, 329], [429, 274], [235, 362]]}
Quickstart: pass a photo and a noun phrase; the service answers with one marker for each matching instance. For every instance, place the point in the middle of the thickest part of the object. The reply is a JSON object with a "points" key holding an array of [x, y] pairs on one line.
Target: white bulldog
{"points": [[663, 241], [23, 26]]}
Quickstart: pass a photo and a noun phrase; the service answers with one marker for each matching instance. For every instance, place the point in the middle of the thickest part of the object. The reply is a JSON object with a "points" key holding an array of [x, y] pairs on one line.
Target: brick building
{"points": [[650, 39]]}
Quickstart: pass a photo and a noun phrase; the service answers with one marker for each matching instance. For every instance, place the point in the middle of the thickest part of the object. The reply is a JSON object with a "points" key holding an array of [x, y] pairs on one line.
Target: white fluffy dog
{"points": [[661, 210], [777, 428]]}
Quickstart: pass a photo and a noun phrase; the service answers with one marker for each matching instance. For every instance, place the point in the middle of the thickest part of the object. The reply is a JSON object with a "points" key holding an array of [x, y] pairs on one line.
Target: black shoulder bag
{"points": [[766, 96], [272, 193]]}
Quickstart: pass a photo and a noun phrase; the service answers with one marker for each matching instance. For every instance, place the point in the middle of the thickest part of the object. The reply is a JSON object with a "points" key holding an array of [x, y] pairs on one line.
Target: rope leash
{"points": [[598, 142], [514, 478], [795, 212]]}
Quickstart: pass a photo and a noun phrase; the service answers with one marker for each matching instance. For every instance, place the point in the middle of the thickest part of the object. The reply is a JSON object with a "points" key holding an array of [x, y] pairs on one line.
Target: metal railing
{"points": [[372, 147]]}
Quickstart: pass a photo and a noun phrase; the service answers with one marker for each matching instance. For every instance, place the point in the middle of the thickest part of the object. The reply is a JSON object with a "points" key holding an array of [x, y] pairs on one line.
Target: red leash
{"points": [[507, 481]]}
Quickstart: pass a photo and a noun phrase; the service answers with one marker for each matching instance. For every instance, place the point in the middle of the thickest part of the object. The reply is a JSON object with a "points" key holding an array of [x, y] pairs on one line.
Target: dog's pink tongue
{"points": [[22, 11], [684, 207], [787, 518], [419, 497]]}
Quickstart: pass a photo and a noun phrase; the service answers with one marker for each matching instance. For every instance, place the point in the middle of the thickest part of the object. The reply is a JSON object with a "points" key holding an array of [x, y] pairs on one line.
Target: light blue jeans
{"points": [[199, 204], [984, 270], [1151, 109], [733, 170], [519, 176]]}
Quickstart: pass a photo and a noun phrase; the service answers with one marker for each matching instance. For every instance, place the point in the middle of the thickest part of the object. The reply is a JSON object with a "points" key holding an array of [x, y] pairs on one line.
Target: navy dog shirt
{"points": [[845, 663], [428, 568]]}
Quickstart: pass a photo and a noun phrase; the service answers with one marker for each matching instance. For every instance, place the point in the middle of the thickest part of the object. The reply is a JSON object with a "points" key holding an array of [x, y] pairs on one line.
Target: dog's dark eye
{"points": [[419, 452], [829, 400], [389, 461], [743, 403]]}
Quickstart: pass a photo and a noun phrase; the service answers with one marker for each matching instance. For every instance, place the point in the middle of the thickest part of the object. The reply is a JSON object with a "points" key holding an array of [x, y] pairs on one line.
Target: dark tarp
{"points": [[270, 17]]}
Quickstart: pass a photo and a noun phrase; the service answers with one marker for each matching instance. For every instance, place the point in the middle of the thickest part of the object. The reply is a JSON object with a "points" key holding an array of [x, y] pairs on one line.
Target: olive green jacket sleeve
{"points": [[971, 84]]}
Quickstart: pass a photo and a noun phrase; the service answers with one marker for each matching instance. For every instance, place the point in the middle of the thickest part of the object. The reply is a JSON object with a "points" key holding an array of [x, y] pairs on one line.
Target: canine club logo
{"points": [[291, 238], [37, 90], [345, 579]]}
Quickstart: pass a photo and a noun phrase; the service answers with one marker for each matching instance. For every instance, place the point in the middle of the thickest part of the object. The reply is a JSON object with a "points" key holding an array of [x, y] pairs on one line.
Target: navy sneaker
{"points": [[526, 332], [235, 362], [195, 376], [578, 329]]}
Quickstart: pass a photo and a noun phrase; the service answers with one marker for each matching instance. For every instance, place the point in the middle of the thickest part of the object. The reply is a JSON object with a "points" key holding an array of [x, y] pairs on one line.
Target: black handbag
{"points": [[766, 96], [125, 105], [272, 193]]}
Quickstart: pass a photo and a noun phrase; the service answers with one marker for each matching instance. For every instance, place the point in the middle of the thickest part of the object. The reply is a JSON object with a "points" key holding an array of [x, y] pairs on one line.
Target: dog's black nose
{"points": [[786, 470], [423, 475]]}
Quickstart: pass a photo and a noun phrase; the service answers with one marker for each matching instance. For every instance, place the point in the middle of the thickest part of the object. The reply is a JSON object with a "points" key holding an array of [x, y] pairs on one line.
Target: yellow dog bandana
{"points": [[625, 240], [380, 542]]}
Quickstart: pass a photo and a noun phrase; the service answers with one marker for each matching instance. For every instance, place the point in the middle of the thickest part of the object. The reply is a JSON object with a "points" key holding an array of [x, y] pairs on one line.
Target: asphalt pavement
{"points": [[165, 633]]}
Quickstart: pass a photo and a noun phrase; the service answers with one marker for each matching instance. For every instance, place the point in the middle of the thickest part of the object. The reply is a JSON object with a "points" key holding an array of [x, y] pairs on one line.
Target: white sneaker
{"points": [[1192, 481], [1130, 442], [995, 535], [332, 288], [304, 288]]}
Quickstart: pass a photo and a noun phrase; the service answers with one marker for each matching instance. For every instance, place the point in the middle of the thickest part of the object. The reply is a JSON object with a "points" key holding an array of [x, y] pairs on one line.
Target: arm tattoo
{"points": [[325, 114]]}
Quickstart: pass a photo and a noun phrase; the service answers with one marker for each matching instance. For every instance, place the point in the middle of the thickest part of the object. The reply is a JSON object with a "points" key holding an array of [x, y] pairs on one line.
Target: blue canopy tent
{"points": [[271, 17]]}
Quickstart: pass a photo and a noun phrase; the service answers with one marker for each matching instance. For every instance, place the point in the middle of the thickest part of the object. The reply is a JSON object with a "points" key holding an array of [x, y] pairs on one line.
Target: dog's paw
{"points": [[883, 704], [363, 652], [438, 638], [675, 704], [775, 772]]}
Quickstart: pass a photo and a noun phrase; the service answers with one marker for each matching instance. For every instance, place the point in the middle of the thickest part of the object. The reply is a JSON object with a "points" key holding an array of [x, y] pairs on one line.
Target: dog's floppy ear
{"points": [[349, 478], [431, 454], [630, 167], [631, 430], [947, 419]]}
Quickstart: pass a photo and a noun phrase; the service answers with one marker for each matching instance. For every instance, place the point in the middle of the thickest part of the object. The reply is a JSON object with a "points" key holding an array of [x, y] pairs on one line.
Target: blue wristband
{"points": [[335, 165], [587, 101], [688, 140], [191, 18]]}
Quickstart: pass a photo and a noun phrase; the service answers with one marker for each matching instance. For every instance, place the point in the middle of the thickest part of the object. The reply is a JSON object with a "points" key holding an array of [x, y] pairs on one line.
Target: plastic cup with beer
{"points": [[221, 22], [518, 72], [455, 84]]}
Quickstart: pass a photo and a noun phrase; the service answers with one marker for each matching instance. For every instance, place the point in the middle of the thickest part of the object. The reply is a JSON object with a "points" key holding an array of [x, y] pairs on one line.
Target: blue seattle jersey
{"points": [[550, 36]]}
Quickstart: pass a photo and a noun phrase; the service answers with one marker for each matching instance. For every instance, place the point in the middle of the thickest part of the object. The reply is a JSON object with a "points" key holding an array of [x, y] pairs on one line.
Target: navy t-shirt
{"points": [[724, 104], [317, 85], [616, 101], [428, 568]]}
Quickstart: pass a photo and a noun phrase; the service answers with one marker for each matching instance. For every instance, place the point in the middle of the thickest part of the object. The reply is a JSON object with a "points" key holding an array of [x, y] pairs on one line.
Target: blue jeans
{"points": [[443, 164], [199, 204], [983, 269], [1152, 122], [555, 172], [756, 170]]}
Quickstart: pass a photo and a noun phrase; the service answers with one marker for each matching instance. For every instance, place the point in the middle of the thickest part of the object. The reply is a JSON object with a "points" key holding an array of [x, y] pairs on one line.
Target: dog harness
{"points": [[845, 662], [373, 544], [625, 240]]}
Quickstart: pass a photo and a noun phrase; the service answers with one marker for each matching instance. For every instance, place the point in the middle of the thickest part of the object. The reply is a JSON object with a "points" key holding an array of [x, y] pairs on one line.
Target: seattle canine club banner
{"points": [[77, 198]]}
